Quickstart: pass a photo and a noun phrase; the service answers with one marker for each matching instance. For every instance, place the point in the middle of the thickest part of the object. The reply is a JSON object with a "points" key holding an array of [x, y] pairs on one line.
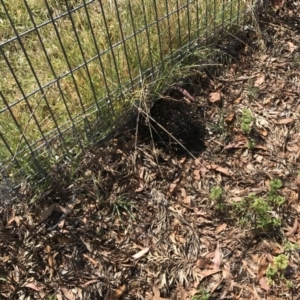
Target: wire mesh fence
{"points": [[68, 66]]}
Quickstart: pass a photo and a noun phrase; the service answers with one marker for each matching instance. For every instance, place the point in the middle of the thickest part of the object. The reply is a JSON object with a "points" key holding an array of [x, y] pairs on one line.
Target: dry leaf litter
{"points": [[137, 221]]}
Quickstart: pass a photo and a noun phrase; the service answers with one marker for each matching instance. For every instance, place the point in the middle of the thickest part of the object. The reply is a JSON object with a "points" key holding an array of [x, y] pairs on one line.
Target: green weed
{"points": [[273, 197], [251, 144], [277, 269], [252, 92], [290, 247], [246, 121], [216, 194], [260, 212], [202, 294]]}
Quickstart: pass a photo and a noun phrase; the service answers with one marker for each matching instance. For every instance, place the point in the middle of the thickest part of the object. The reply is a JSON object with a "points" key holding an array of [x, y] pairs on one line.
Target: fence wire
{"points": [[67, 65]]}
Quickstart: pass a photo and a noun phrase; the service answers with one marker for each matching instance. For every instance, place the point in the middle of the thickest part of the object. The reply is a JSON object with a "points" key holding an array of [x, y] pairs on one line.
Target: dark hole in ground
{"points": [[176, 125]]}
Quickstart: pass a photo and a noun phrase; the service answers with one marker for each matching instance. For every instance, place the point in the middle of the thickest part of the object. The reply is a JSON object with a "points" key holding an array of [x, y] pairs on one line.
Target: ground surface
{"points": [[139, 223]]}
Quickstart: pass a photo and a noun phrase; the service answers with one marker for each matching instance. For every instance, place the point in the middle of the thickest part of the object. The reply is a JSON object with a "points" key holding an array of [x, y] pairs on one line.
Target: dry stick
{"points": [[30, 117], [237, 79]]}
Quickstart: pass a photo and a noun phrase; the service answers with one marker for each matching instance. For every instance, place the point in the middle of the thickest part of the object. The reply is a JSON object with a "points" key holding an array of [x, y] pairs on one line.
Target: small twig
{"points": [[237, 79]]}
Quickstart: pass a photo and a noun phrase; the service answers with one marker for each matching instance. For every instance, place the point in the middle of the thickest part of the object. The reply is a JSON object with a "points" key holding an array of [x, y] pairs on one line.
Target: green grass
{"points": [[75, 100], [261, 213]]}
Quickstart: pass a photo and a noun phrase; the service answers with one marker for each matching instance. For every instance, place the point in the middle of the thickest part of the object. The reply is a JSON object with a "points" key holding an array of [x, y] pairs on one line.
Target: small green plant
{"points": [[246, 121], [273, 197], [263, 218], [276, 270], [123, 205], [252, 92], [202, 294], [251, 144], [290, 247], [216, 194], [259, 211]]}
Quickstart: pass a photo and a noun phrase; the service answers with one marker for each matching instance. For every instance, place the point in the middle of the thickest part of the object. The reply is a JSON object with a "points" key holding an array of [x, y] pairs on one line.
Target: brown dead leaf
{"points": [[117, 293], [277, 3], [217, 258], [203, 170], [293, 229], [205, 242], [47, 212], [140, 188], [184, 295], [61, 224], [207, 273], [262, 266], [183, 193], [32, 286], [61, 209], [216, 285], [235, 145], [238, 100], [248, 268], [94, 262], [142, 173], [221, 228], [229, 118], [51, 262], [264, 57], [261, 147], [196, 174], [260, 80], [215, 97], [187, 200], [292, 47], [264, 283], [185, 93], [173, 185], [86, 284], [156, 293], [293, 148], [203, 263], [68, 293], [220, 169], [256, 296], [262, 131], [140, 253], [284, 121], [226, 273]]}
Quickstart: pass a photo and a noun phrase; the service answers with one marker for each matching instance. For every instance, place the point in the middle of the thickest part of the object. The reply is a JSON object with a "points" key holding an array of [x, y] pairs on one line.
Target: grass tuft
{"points": [[74, 70]]}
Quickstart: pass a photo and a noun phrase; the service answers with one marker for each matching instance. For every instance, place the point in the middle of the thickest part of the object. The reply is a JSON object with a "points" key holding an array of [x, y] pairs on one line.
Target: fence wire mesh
{"points": [[67, 65]]}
